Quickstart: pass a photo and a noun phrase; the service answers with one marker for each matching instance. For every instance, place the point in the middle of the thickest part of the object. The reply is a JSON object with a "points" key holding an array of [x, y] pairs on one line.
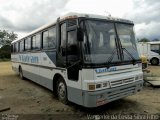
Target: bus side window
{"points": [[36, 41], [49, 38], [12, 48], [63, 39], [28, 43], [33, 42], [45, 39], [22, 46], [25, 45], [52, 38], [16, 47], [72, 48]]}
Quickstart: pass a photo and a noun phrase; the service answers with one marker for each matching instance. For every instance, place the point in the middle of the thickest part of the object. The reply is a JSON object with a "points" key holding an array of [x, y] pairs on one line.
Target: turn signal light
{"points": [[91, 87]]}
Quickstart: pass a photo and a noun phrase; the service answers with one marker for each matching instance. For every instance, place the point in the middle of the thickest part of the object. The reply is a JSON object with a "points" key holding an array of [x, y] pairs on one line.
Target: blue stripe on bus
{"points": [[51, 55]]}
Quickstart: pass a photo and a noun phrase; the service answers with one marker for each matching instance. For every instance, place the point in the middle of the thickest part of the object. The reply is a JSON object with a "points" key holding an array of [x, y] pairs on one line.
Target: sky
{"points": [[23, 16]]}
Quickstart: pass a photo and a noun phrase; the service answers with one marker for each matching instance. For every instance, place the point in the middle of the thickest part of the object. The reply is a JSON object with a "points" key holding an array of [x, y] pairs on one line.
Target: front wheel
{"points": [[21, 73], [62, 91], [154, 61]]}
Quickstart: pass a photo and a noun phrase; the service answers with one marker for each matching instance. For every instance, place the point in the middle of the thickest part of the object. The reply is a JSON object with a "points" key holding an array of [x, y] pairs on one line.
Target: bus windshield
{"points": [[100, 41], [127, 39]]}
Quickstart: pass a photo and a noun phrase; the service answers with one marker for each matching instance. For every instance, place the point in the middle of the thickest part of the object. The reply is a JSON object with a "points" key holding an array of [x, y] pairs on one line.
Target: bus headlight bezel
{"points": [[97, 86], [139, 77]]}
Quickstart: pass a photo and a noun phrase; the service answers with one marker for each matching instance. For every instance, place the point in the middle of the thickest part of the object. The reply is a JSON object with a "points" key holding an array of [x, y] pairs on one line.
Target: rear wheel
{"points": [[21, 73], [62, 91], [154, 61]]}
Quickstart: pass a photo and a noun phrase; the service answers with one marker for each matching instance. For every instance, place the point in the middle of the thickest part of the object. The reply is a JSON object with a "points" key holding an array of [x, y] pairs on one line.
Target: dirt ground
{"points": [[26, 97]]}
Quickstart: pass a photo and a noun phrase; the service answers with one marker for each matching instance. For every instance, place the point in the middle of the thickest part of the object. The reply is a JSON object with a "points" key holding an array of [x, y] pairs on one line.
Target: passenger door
{"points": [[72, 55], [69, 54], [61, 56], [68, 57]]}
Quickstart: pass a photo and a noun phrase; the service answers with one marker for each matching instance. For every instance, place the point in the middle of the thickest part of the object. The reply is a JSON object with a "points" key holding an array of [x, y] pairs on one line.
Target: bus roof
{"points": [[152, 42], [75, 15]]}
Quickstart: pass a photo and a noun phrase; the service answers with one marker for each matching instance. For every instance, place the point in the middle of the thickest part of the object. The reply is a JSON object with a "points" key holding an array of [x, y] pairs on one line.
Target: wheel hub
{"points": [[61, 90]]}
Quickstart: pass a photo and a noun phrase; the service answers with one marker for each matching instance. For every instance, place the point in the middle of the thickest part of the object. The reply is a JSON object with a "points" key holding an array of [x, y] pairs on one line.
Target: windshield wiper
{"points": [[109, 60], [131, 56], [116, 50], [124, 49], [113, 54]]}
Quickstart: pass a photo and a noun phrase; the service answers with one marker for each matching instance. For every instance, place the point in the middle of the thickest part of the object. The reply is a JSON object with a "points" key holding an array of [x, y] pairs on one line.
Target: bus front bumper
{"points": [[101, 97]]}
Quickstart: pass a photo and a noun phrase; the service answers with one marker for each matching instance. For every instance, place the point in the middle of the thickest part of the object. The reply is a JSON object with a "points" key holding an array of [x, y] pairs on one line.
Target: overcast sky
{"points": [[23, 16]]}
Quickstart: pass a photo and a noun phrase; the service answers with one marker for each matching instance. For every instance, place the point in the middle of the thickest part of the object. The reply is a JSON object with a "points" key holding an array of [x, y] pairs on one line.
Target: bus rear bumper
{"points": [[98, 98]]}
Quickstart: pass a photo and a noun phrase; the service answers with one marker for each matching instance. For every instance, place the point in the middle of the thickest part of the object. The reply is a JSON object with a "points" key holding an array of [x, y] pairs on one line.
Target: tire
{"points": [[21, 73], [62, 91], [154, 61]]}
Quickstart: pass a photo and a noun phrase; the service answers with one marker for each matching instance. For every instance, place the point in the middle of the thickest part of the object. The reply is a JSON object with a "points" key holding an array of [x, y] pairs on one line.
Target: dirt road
{"points": [[26, 97]]}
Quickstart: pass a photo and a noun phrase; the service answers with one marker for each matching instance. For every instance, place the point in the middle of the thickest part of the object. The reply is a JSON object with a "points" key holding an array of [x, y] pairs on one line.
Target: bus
{"points": [[86, 59], [151, 50]]}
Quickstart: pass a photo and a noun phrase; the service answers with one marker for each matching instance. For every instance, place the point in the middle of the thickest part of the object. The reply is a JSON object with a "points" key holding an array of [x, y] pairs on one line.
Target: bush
{"points": [[5, 52]]}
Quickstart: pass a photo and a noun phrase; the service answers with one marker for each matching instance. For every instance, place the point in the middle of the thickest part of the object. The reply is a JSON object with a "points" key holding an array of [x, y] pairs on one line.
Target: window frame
{"points": [[40, 42], [60, 44], [12, 48], [21, 49], [27, 39], [46, 30], [53, 27], [154, 45], [16, 45], [42, 37], [67, 45]]}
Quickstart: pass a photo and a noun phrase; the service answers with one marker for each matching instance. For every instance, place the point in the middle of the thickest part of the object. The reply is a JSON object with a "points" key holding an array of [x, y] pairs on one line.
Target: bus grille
{"points": [[124, 92], [120, 82]]}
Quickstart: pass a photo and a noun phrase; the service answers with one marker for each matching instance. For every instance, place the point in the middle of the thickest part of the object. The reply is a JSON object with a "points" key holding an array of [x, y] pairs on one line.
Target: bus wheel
{"points": [[62, 91], [21, 73], [154, 61]]}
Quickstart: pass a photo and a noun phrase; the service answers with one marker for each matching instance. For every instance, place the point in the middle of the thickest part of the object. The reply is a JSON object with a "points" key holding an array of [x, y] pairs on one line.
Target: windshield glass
{"points": [[99, 41], [127, 39]]}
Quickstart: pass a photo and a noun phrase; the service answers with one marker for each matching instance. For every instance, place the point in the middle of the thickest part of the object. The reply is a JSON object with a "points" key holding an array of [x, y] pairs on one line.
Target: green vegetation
{"points": [[144, 40], [5, 44], [147, 40]]}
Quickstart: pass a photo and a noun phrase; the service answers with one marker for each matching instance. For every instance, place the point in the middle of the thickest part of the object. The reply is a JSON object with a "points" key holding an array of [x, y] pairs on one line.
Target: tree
{"points": [[144, 40], [7, 37], [5, 43], [5, 52], [155, 39]]}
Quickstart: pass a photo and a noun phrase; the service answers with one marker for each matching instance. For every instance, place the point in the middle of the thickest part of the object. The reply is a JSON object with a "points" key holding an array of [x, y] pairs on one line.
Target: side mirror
{"points": [[80, 34]]}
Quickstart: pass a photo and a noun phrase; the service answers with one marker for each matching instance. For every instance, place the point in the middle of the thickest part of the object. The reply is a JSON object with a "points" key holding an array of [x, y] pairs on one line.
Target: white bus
{"points": [[151, 50], [86, 59]]}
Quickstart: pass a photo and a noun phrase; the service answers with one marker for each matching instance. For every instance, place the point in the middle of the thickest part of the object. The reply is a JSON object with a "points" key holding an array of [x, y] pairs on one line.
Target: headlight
{"points": [[92, 87], [139, 77], [105, 84], [98, 86]]}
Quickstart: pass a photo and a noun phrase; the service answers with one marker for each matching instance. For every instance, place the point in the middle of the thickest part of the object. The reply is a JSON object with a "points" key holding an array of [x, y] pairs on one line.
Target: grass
{"points": [[5, 59]]}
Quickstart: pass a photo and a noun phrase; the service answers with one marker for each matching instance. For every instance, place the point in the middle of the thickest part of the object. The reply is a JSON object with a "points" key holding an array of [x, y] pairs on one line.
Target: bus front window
{"points": [[99, 41], [127, 39], [102, 45]]}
